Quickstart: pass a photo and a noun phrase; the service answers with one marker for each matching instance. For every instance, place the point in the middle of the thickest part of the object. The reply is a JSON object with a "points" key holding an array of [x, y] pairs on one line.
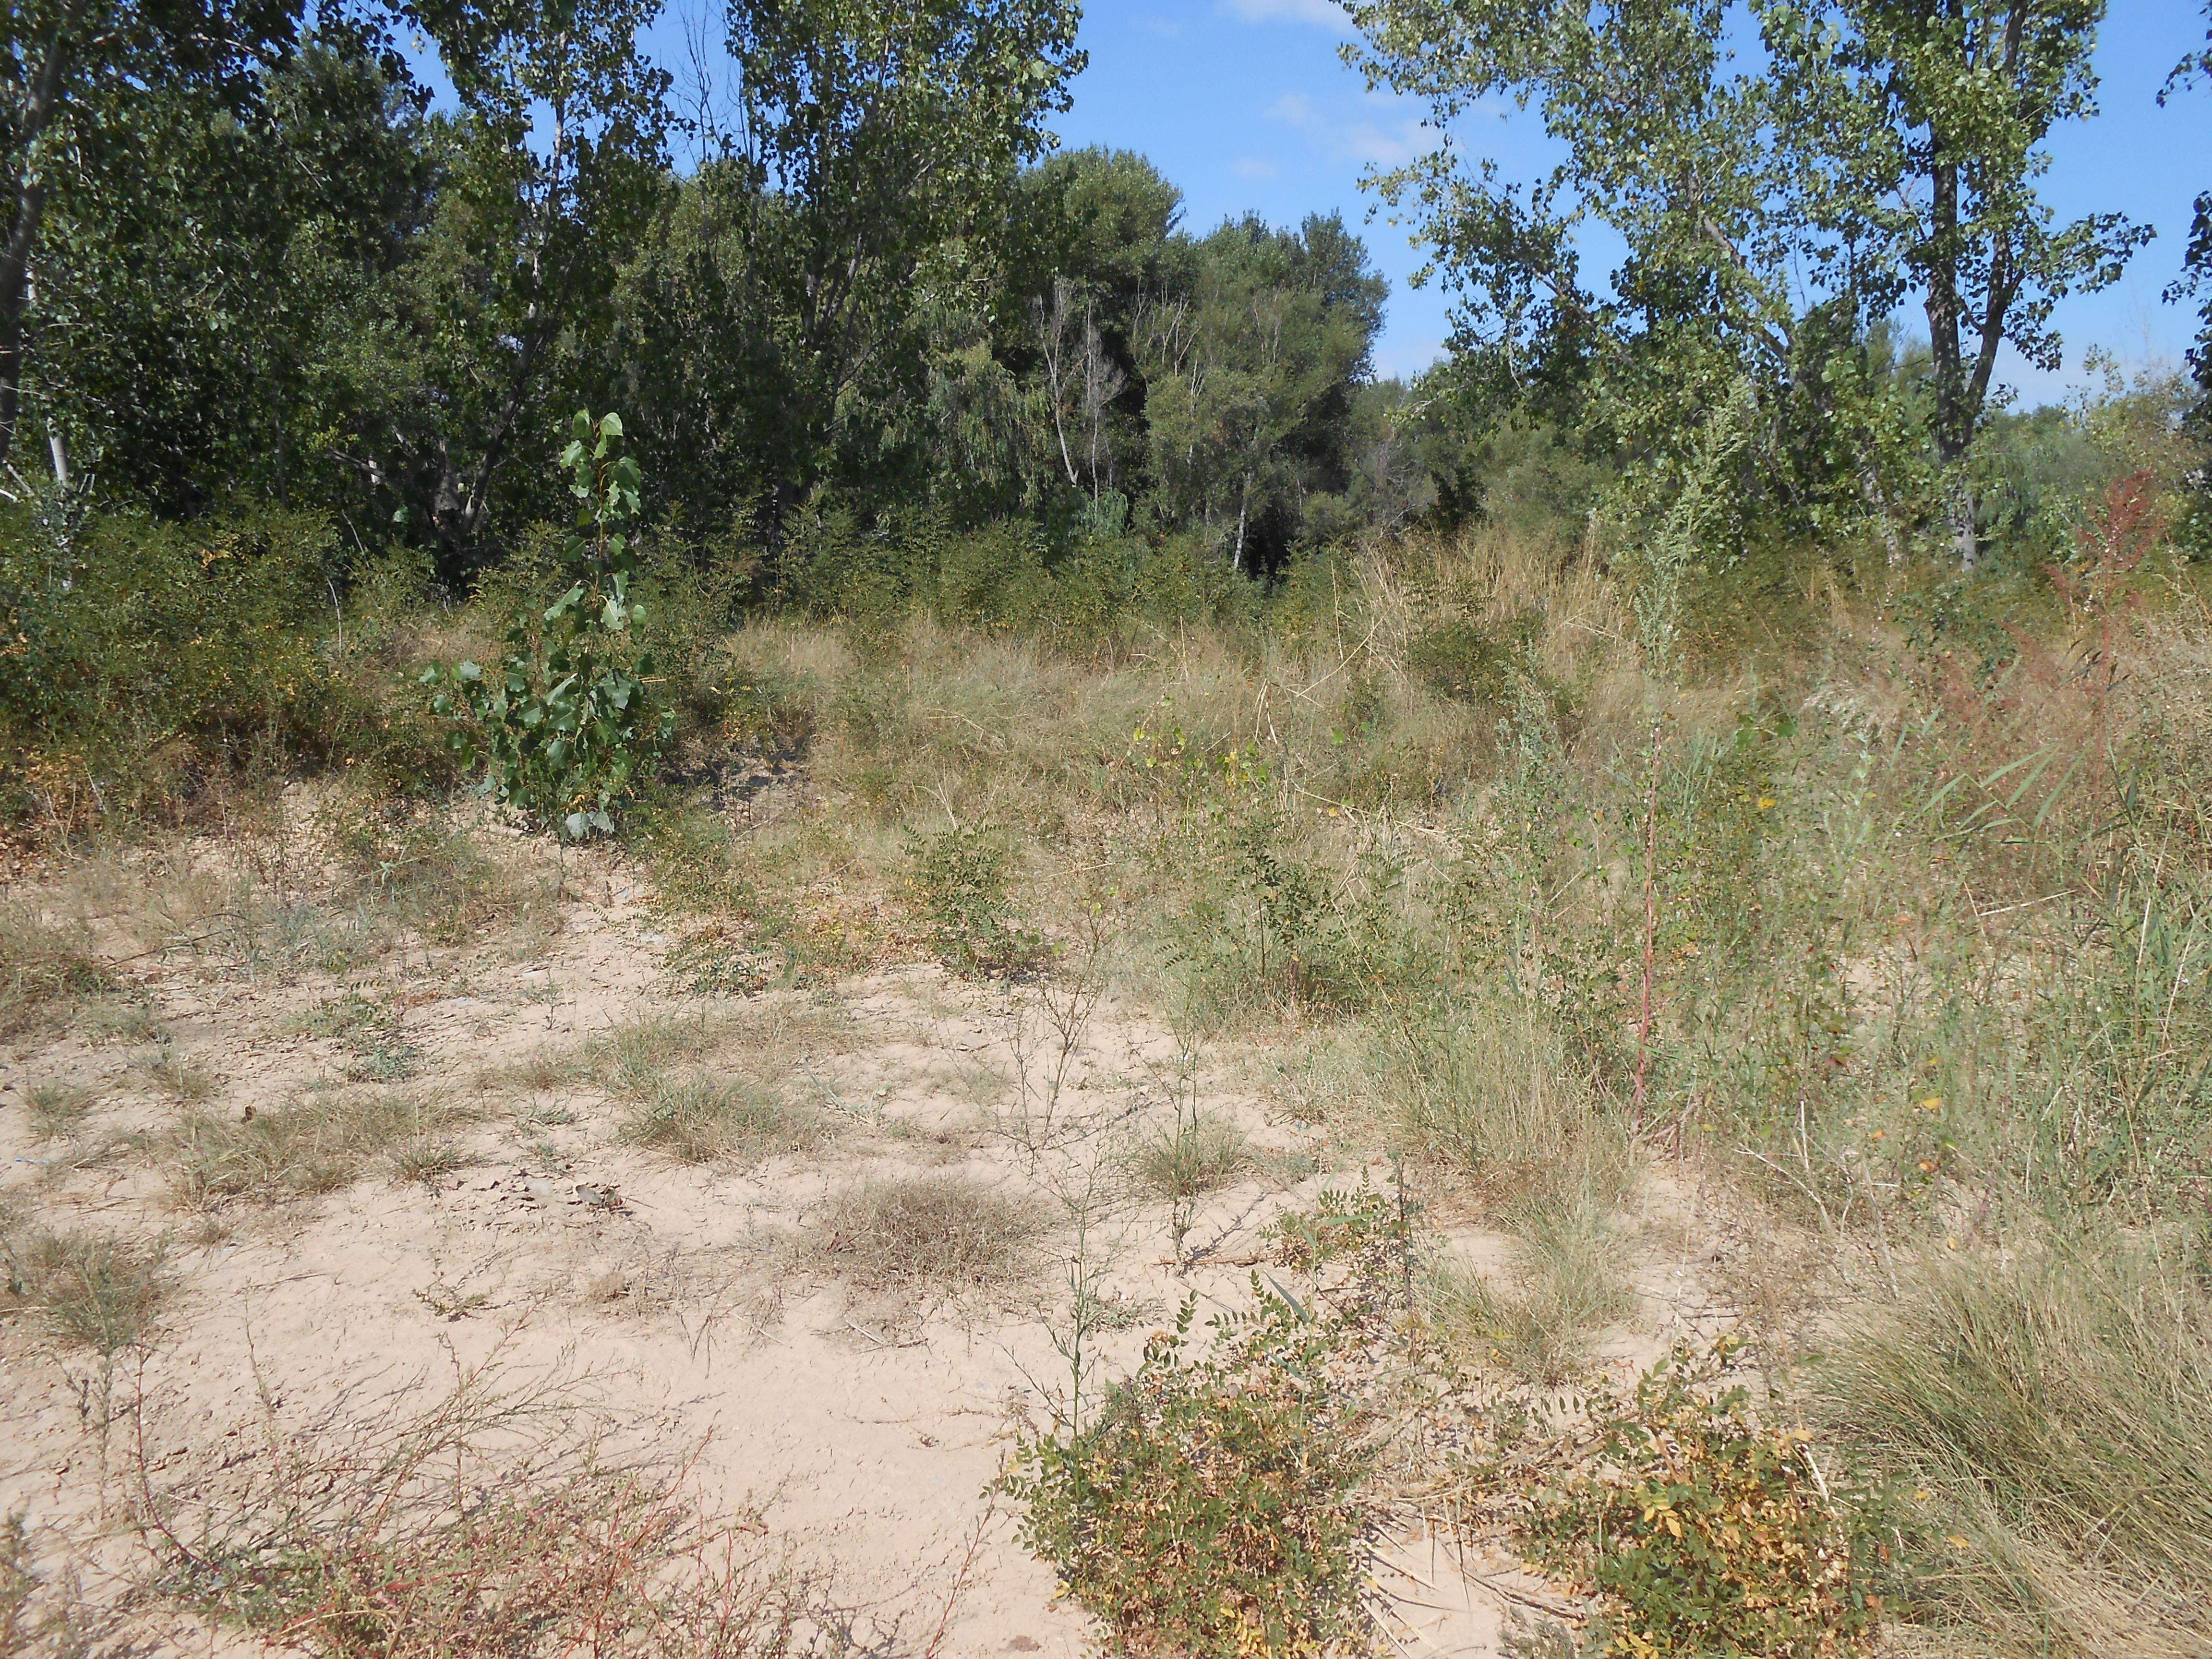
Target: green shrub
{"points": [[1468, 662], [1703, 1531], [960, 878], [1215, 1507], [993, 577], [569, 729], [141, 662]]}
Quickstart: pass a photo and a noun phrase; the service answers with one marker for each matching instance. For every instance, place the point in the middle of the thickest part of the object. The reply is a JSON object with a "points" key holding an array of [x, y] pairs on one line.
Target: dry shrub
{"points": [[89, 1290], [309, 1147], [947, 1229], [479, 1528], [2055, 1416]]}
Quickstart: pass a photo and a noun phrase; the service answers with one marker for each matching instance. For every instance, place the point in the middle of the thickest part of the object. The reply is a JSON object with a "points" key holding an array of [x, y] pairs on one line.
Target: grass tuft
{"points": [[945, 1229], [1483, 1091], [306, 1148], [90, 1290], [56, 1110], [2056, 1416], [1567, 1286], [187, 1084], [1197, 1157], [697, 1120]]}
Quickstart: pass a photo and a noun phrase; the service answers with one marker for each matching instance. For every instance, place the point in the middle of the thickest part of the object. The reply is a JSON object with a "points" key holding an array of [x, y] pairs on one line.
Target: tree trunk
{"points": [[1243, 512], [1955, 408], [42, 97], [1966, 541]]}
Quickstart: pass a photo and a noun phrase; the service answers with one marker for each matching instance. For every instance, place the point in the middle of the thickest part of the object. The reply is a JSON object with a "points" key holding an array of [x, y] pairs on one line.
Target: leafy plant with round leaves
{"points": [[568, 726]]}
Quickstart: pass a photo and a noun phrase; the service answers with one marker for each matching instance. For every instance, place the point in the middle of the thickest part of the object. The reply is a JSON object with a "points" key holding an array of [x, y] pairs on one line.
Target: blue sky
{"points": [[1245, 104]]}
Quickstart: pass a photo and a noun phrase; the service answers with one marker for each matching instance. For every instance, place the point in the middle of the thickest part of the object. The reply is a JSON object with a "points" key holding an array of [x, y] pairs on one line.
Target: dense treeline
{"points": [[299, 297], [250, 260], [291, 279]]}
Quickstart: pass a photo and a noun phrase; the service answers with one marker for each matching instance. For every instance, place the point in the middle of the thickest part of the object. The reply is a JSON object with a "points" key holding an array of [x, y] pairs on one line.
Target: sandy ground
{"points": [[863, 1425]]}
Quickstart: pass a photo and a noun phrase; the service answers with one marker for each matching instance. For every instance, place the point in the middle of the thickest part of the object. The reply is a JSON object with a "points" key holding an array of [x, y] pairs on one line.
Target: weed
{"points": [[1214, 1506], [348, 1015], [56, 1110], [945, 1229], [710, 964], [1361, 1229], [393, 1059], [42, 1615], [90, 1290], [1046, 1023], [1471, 662], [699, 1119]]}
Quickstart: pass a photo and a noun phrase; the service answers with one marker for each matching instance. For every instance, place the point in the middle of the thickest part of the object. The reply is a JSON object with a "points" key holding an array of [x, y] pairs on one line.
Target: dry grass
{"points": [[630, 1061], [310, 1146], [89, 1290], [947, 1230], [701, 1086], [2057, 1412], [44, 970], [484, 1527], [410, 866]]}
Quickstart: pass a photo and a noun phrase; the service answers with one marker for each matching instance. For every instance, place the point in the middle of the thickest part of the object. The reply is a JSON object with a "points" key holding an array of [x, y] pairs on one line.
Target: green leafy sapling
{"points": [[570, 728]]}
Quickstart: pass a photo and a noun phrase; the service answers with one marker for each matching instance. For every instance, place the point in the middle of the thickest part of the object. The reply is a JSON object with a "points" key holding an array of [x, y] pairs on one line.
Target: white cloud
{"points": [[1294, 107], [1325, 12], [1384, 147], [1404, 359], [1248, 167]]}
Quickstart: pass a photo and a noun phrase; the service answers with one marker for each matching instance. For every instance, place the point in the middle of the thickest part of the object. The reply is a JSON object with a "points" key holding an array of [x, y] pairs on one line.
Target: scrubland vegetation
{"points": [[1603, 958]]}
